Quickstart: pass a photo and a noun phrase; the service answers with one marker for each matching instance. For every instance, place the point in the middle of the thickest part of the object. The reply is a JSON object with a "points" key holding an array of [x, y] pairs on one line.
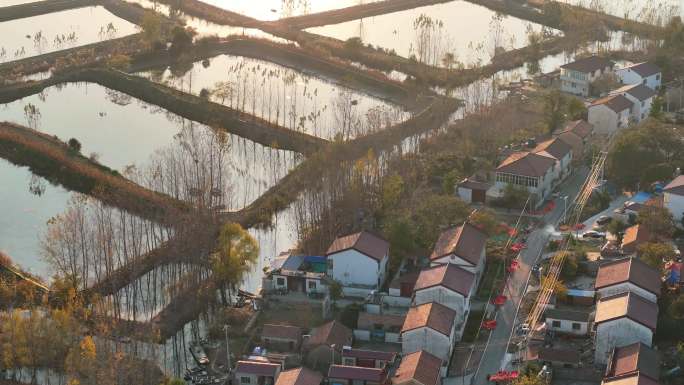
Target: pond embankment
{"points": [[38, 8]]}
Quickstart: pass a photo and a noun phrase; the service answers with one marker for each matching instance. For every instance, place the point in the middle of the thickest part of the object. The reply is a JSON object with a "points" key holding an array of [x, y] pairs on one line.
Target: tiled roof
{"points": [[639, 91], [465, 241], [617, 103], [644, 69], [634, 358], [628, 305], [554, 147], [628, 270], [675, 187], [474, 184], [357, 373], [331, 333], [369, 354], [367, 320], [569, 315], [420, 366], [588, 64], [635, 379], [579, 127], [448, 275], [566, 356], [363, 242], [571, 139], [526, 164], [634, 236], [257, 368], [281, 331], [432, 315], [299, 376]]}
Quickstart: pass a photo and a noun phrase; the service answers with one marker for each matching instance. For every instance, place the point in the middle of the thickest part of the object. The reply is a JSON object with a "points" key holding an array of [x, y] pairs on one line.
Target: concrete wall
{"points": [[675, 204], [566, 326], [426, 339], [465, 194], [624, 288], [627, 76], [607, 121], [619, 332], [351, 267]]}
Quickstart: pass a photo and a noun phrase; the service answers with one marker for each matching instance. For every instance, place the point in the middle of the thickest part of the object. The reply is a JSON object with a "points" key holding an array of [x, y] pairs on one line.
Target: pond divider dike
{"points": [[21, 11]]}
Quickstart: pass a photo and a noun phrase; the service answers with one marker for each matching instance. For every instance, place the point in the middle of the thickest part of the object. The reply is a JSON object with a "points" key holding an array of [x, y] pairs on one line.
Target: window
{"points": [[280, 281], [643, 104], [519, 180], [644, 81], [658, 77], [330, 263], [312, 284], [555, 324], [245, 380], [576, 326], [349, 361]]}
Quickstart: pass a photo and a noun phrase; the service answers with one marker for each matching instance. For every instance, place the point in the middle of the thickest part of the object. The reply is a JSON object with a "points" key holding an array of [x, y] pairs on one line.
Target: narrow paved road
{"points": [[493, 357]]}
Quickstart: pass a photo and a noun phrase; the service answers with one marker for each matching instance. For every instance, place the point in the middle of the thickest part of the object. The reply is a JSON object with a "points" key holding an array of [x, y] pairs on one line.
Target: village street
{"points": [[494, 354]]}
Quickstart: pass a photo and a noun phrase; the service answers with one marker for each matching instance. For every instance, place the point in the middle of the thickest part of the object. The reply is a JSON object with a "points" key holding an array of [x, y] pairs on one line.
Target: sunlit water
{"points": [[468, 31], [59, 30], [284, 96], [276, 9]]}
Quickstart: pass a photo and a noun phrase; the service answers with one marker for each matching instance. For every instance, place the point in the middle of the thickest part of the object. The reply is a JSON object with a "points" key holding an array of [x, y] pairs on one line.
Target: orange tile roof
{"points": [[631, 270], [431, 315], [628, 305], [420, 366]]}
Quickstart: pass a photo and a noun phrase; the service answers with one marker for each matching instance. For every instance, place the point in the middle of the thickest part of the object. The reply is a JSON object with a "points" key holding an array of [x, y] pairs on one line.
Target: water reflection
{"points": [[276, 9]]}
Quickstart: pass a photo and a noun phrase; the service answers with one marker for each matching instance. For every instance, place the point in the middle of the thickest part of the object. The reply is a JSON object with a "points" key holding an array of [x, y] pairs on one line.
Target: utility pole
{"points": [[332, 354], [225, 329]]}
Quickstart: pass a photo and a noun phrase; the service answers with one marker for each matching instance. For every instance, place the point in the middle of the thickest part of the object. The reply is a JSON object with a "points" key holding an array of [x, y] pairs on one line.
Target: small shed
{"points": [[472, 191], [567, 321]]}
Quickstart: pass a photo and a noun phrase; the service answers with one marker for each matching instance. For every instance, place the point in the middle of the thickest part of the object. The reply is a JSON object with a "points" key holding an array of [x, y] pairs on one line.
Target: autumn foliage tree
{"points": [[237, 252]]}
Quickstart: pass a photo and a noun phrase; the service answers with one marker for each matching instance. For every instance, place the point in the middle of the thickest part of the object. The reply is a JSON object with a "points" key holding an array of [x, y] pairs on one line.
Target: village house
{"points": [[558, 357], [623, 319], [610, 113], [634, 237], [635, 364], [561, 152], [566, 321], [429, 327], [418, 368], [299, 376], [528, 171], [628, 275], [326, 343], [299, 273], [401, 289], [645, 73], [367, 358], [641, 97], [356, 375], [378, 327], [673, 199], [576, 134], [576, 77], [283, 338], [473, 191], [256, 373], [449, 285], [463, 246], [359, 262]]}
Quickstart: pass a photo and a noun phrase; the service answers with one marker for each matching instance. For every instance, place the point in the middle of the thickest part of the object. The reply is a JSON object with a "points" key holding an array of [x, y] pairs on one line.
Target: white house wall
{"points": [[627, 287], [607, 121], [446, 297], [675, 204], [620, 332], [353, 268], [627, 76], [566, 326], [426, 339]]}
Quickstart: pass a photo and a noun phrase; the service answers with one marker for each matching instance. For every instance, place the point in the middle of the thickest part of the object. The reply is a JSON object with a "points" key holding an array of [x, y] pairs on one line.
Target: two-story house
{"points": [[576, 77], [356, 375], [255, 373], [367, 358], [610, 113], [628, 275], [299, 376], [566, 321], [645, 73], [418, 368], [358, 261], [576, 134], [673, 199], [429, 327], [463, 246], [623, 319], [528, 171], [326, 342], [634, 237], [641, 97], [635, 364], [449, 285], [559, 150]]}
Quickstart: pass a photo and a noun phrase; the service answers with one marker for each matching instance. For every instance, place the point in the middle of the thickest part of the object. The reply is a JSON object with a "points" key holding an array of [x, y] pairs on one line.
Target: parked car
{"points": [[593, 234]]}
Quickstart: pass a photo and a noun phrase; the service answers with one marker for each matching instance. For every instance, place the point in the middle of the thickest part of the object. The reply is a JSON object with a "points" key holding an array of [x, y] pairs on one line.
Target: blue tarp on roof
{"points": [[293, 262], [315, 259], [641, 197], [580, 293]]}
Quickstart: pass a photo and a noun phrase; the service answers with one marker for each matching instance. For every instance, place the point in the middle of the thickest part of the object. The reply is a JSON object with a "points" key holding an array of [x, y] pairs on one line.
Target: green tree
{"points": [[151, 27], [531, 379], [553, 110], [74, 145], [353, 44], [181, 39], [576, 109], [658, 221], [570, 267], [617, 228], [514, 197], [676, 308], [400, 236], [653, 253], [237, 251], [657, 108], [392, 188], [335, 290]]}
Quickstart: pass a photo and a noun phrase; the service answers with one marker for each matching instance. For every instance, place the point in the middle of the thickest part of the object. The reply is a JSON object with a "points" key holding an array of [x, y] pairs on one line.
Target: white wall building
{"points": [[628, 275], [463, 246], [561, 152], [429, 327], [449, 285], [641, 97], [528, 171], [673, 199], [610, 114], [576, 77], [622, 320], [567, 321], [645, 73], [358, 261]]}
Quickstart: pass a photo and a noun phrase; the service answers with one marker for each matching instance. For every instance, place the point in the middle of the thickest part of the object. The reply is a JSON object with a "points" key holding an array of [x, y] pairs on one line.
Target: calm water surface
{"points": [[59, 30], [276, 9], [656, 12]]}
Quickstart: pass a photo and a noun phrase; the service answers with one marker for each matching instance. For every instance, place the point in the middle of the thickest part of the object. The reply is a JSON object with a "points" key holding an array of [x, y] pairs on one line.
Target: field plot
{"points": [[52, 32], [284, 96], [446, 34]]}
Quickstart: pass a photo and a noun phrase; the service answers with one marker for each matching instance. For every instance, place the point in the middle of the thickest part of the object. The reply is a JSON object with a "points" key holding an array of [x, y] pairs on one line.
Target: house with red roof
{"points": [[644, 73], [621, 320], [635, 364], [359, 262], [673, 199], [357, 375], [449, 285], [367, 358], [256, 373], [529, 171], [628, 275], [418, 368], [463, 246], [326, 343], [299, 376], [429, 327]]}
